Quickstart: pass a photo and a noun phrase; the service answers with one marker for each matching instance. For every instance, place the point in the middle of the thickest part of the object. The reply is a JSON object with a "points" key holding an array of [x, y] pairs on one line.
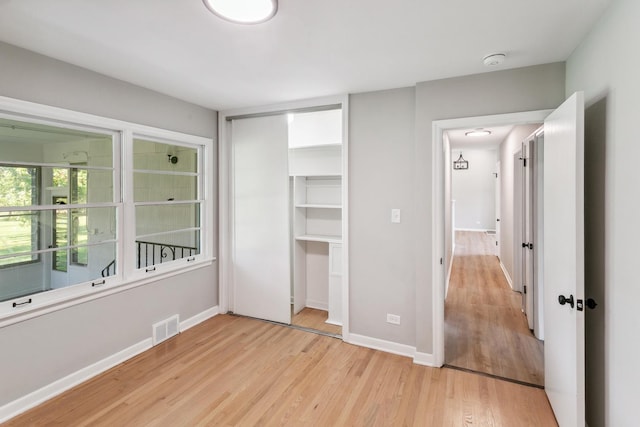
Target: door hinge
{"points": [[441, 261], [524, 289], [524, 163]]}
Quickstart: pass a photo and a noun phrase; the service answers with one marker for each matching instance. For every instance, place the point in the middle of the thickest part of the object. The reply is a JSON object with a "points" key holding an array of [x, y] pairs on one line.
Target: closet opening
{"points": [[285, 229]]}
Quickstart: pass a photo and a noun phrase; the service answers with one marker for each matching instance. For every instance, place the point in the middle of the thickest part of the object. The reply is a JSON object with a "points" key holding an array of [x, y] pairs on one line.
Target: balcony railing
{"points": [[151, 253]]}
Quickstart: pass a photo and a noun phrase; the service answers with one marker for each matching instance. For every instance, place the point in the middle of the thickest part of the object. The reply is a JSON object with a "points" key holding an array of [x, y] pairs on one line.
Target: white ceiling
{"points": [[311, 48]]}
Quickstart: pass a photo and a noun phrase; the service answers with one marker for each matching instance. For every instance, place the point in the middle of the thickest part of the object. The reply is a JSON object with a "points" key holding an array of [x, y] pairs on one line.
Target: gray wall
{"points": [[39, 351], [605, 68], [381, 254], [32, 77], [390, 167], [524, 89]]}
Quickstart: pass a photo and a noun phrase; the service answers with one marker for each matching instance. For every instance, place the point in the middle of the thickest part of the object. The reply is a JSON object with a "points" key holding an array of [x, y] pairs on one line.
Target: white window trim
{"points": [[58, 299]]}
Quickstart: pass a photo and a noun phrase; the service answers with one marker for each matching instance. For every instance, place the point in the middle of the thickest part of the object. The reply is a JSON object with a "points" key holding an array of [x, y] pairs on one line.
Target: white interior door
{"points": [[498, 190], [564, 260], [261, 248], [527, 251], [518, 224]]}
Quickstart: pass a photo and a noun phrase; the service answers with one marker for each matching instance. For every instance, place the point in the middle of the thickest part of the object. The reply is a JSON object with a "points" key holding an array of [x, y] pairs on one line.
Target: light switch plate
{"points": [[395, 216]]}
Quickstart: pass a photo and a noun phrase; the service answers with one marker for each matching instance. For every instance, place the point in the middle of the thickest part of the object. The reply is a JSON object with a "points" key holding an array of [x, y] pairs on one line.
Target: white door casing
{"points": [[260, 240], [564, 260]]}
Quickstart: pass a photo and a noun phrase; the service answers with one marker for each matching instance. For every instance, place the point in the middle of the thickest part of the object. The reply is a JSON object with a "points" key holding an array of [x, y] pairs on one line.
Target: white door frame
{"points": [[225, 199], [437, 194]]}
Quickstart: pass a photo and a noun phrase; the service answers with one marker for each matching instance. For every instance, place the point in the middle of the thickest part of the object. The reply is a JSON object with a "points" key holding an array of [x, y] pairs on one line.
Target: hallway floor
{"points": [[485, 328]]}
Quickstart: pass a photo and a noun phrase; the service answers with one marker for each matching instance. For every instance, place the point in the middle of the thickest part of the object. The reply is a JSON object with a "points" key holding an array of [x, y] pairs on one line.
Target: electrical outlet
{"points": [[394, 319]]}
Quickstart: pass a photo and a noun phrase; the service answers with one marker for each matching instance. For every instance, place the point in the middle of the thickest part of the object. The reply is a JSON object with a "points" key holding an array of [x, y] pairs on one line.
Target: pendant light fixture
{"points": [[461, 163], [243, 11]]}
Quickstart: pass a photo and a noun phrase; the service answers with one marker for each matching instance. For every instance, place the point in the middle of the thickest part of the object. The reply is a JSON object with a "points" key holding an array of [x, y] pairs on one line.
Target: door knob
{"points": [[591, 303], [564, 300]]}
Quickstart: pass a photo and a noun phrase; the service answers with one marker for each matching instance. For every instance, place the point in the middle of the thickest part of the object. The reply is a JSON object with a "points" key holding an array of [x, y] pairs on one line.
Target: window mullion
{"points": [[127, 226]]}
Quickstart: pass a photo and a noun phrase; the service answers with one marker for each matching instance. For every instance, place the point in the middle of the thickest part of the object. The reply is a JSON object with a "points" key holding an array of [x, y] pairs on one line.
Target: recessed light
{"points": [[243, 11], [478, 132], [494, 59]]}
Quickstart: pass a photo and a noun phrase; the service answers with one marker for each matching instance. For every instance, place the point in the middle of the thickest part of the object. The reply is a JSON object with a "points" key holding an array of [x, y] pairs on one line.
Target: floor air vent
{"points": [[165, 329]]}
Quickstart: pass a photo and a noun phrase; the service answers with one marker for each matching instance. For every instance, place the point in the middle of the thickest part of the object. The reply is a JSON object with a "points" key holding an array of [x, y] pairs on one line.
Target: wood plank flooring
{"points": [[485, 329], [312, 318], [234, 371]]}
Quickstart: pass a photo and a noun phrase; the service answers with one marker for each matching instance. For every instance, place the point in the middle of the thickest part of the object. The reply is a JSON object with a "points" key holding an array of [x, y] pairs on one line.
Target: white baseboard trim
{"points": [[57, 387], [474, 229], [506, 275], [318, 305], [382, 345], [425, 359], [199, 318], [35, 398]]}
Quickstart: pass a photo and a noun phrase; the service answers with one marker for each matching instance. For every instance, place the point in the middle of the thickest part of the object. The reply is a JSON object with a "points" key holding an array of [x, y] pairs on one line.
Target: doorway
{"points": [[485, 328], [441, 174]]}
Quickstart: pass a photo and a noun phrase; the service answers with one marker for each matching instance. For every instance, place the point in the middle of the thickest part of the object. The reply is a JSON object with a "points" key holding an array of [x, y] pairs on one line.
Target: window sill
{"points": [[59, 299]]}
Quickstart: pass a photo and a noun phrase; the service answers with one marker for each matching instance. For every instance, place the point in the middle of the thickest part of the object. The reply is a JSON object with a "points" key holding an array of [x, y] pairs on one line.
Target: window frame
{"points": [[35, 304], [133, 270]]}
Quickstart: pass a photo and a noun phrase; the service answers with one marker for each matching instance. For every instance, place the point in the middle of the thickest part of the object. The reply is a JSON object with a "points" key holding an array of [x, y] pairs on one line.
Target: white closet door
{"points": [[261, 264]]}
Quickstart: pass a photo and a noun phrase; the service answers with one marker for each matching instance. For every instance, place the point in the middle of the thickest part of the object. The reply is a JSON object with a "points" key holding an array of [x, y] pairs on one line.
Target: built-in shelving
{"points": [[318, 206], [319, 238], [315, 170]]}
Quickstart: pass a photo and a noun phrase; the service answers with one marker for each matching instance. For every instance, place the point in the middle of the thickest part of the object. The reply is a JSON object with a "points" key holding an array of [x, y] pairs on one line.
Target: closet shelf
{"points": [[319, 238], [318, 206]]}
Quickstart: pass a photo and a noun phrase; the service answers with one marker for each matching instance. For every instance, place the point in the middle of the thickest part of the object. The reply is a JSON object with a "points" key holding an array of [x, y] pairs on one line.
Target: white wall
{"points": [[317, 269], [47, 348], [474, 189], [606, 67], [511, 145]]}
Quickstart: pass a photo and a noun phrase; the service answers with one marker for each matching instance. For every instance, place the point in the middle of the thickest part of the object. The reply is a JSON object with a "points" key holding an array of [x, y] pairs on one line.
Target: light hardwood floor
{"points": [[315, 319], [235, 371], [485, 329]]}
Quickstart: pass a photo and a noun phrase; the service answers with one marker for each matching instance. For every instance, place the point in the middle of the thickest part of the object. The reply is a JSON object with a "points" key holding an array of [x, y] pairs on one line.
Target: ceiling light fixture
{"points": [[494, 59], [478, 132], [243, 11]]}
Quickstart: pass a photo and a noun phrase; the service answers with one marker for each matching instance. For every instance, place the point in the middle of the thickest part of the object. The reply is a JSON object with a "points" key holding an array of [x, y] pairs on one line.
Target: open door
{"points": [[564, 261], [529, 289], [261, 242], [498, 190]]}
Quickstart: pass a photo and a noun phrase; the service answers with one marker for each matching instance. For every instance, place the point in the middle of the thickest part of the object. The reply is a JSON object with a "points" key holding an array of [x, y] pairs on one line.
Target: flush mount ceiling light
{"points": [[243, 11], [478, 132], [494, 59]]}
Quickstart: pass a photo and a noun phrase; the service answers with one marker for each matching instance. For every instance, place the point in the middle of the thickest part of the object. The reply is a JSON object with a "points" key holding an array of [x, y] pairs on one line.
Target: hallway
{"points": [[485, 329]]}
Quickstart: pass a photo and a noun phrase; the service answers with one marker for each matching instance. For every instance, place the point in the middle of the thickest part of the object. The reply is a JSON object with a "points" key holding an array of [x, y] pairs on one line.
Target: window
{"points": [[87, 206], [167, 207], [57, 181], [18, 228]]}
